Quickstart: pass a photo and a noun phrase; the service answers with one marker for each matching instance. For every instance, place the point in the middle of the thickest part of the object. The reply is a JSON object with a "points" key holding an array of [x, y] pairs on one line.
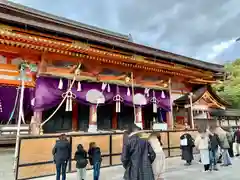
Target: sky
{"points": [[201, 29]]}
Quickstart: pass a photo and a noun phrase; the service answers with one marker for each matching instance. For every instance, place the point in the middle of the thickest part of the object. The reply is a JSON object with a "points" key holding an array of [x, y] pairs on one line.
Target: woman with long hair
{"points": [[158, 165]]}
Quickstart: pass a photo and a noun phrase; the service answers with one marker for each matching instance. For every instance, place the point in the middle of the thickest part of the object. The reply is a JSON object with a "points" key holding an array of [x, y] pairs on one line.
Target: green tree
{"points": [[229, 89]]}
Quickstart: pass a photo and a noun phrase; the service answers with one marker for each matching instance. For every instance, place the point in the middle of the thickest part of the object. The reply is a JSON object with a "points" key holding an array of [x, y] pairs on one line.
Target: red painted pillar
{"points": [[75, 117], [114, 120]]}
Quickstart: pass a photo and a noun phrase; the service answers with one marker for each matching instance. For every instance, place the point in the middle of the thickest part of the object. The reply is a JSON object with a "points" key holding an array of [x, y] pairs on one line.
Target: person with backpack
{"points": [[61, 155], [81, 159], [95, 159]]}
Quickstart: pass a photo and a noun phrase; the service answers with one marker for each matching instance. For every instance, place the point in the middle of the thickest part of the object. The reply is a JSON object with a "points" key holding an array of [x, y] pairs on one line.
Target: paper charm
{"points": [[104, 85], [163, 95], [33, 101], [79, 86], [108, 88], [60, 84], [146, 91], [128, 92]]}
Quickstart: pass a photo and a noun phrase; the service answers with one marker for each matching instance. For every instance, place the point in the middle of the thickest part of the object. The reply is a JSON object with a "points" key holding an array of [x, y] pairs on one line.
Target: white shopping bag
{"points": [[184, 142]]}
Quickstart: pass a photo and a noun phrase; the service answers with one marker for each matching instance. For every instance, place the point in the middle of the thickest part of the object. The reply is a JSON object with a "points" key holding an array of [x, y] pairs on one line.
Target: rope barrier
{"points": [[134, 107], [14, 107]]}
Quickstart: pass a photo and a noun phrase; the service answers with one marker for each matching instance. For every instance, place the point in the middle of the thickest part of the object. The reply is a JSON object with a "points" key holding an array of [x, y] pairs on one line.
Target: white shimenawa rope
{"points": [[69, 89], [134, 107], [14, 107]]}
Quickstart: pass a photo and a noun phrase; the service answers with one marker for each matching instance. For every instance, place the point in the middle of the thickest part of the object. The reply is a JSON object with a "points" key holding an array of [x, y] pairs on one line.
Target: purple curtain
{"points": [[7, 100], [48, 95]]}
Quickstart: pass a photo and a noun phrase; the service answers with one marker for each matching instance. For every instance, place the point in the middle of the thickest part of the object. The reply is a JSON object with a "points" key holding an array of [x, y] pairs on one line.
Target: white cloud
{"points": [[219, 48]]}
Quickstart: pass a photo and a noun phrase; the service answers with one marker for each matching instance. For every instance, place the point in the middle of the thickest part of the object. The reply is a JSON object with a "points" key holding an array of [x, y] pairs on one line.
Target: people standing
{"points": [[158, 165], [230, 138], [202, 144], [224, 144], [237, 141], [213, 149], [95, 159], [61, 155], [81, 159], [187, 145], [137, 157]]}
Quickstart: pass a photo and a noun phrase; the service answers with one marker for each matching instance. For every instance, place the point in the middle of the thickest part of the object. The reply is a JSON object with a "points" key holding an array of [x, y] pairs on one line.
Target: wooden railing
{"points": [[8, 133], [35, 154]]}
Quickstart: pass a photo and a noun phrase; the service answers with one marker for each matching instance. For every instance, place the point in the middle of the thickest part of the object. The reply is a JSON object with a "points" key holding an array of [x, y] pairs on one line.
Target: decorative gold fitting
{"points": [[41, 130]]}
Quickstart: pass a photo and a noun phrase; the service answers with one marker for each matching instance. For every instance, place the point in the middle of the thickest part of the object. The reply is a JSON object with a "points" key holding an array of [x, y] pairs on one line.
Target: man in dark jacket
{"points": [[213, 148], [237, 140], [61, 155], [137, 158]]}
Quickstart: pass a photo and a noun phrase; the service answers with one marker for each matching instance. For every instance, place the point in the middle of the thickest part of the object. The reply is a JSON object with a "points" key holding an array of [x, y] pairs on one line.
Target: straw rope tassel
{"points": [[70, 104], [118, 102], [154, 103], [118, 106]]}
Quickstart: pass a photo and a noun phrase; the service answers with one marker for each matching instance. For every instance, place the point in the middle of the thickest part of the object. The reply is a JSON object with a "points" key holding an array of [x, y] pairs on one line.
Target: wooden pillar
{"points": [[35, 123], [170, 121], [138, 118], [114, 119], [191, 111], [93, 118], [75, 116]]}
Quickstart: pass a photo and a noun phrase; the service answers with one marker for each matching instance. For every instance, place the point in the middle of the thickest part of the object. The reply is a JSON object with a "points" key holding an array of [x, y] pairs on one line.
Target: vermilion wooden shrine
{"points": [[114, 80]]}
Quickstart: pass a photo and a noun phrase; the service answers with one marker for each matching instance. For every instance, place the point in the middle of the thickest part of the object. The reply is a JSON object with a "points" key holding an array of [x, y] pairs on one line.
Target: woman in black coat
{"points": [[81, 159], [187, 149]]}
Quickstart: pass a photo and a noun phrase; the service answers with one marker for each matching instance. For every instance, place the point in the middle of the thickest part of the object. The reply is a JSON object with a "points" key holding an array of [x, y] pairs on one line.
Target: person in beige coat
{"points": [[158, 165], [202, 144]]}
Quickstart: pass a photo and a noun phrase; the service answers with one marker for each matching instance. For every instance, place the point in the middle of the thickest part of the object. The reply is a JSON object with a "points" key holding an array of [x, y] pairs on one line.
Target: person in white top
{"points": [[202, 143], [158, 165]]}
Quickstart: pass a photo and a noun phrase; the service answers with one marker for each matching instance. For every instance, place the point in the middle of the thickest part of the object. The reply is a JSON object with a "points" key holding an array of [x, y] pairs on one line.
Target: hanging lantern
{"points": [[163, 95], [60, 84], [79, 86]]}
